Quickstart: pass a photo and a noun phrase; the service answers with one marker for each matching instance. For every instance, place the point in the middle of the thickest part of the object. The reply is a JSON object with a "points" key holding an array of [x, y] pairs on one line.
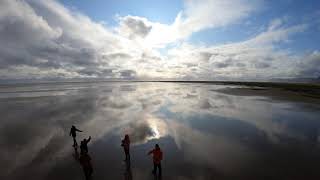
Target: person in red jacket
{"points": [[157, 157], [125, 143]]}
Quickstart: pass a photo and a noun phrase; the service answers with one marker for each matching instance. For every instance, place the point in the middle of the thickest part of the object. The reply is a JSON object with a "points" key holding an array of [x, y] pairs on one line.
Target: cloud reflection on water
{"points": [[211, 130]]}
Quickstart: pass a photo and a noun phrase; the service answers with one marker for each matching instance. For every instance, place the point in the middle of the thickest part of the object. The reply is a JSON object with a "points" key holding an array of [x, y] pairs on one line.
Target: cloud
{"points": [[140, 132], [133, 27], [310, 67], [127, 73], [257, 58], [45, 40], [200, 15]]}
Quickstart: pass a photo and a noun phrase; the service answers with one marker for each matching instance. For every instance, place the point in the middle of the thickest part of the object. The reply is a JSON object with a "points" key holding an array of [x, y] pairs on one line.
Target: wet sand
{"points": [[298, 93], [206, 130]]}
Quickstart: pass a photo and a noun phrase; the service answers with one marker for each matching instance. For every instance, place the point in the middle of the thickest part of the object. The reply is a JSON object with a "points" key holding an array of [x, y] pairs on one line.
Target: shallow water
{"points": [[204, 134]]}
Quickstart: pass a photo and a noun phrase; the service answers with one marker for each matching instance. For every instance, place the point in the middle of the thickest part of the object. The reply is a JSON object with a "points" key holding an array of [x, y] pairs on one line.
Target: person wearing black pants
{"points": [[73, 133], [157, 157], [155, 166]]}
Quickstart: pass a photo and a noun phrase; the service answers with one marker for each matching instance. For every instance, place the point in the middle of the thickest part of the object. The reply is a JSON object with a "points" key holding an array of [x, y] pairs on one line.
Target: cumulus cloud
{"points": [[256, 58], [133, 27], [45, 39], [41, 40]]}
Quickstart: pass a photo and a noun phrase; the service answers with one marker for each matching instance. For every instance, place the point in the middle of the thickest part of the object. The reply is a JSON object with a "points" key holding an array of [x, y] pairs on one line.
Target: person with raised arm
{"points": [[73, 133], [157, 157]]}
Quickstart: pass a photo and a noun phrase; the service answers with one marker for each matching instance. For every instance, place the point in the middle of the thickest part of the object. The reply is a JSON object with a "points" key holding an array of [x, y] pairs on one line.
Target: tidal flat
{"points": [[205, 130]]}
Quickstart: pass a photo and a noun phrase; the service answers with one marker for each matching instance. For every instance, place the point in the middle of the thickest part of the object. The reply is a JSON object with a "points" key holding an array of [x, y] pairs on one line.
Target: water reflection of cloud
{"points": [[32, 128], [146, 128], [130, 87], [203, 148], [115, 102], [257, 113]]}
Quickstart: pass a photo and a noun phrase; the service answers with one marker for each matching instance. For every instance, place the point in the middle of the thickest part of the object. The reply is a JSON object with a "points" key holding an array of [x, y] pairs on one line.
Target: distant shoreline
{"points": [[240, 83]]}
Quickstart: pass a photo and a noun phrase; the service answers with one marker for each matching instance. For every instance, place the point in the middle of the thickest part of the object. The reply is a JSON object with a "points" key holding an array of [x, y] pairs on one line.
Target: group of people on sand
{"points": [[85, 159], [156, 153]]}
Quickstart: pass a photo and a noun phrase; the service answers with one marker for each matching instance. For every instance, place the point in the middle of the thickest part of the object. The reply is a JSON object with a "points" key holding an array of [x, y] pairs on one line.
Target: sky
{"points": [[168, 39]]}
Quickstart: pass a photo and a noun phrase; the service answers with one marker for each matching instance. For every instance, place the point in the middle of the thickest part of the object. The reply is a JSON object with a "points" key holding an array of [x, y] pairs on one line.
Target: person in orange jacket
{"points": [[125, 143], [157, 157]]}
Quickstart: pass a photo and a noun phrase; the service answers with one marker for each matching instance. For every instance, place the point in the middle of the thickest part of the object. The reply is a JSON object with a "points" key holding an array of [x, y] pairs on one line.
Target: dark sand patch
{"points": [[306, 93]]}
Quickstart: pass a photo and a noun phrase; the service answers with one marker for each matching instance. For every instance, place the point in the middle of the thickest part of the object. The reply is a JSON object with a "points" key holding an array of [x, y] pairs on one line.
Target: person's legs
{"points": [[127, 153], [154, 168], [74, 141], [159, 166]]}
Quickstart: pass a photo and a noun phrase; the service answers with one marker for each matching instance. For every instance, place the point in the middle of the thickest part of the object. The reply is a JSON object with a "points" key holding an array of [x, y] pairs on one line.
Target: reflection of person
{"points": [[125, 143], [157, 157], [85, 161], [84, 145], [128, 173], [73, 131], [76, 153]]}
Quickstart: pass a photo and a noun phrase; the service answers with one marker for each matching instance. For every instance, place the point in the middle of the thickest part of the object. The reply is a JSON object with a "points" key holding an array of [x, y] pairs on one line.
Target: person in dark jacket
{"points": [[73, 133], [84, 145], [125, 143], [157, 157]]}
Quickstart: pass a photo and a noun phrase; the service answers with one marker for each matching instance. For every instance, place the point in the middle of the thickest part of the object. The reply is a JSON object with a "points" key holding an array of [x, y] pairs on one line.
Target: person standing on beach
{"points": [[73, 133], [125, 143], [157, 157], [84, 145]]}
